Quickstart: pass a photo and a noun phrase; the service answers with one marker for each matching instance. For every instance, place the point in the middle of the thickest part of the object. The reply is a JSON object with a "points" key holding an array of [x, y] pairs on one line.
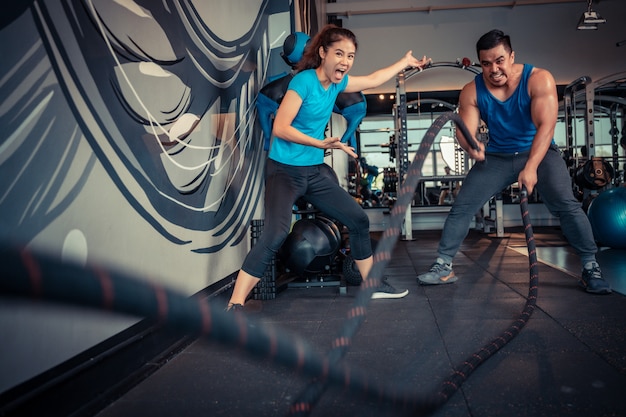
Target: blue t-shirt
{"points": [[511, 128], [312, 119]]}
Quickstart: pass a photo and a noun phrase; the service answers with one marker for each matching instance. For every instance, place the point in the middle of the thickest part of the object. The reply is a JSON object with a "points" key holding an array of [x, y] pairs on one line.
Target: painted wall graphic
{"points": [[129, 129], [129, 139]]}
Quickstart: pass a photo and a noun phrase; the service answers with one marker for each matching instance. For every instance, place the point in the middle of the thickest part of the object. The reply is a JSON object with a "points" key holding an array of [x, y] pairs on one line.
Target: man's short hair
{"points": [[492, 39]]}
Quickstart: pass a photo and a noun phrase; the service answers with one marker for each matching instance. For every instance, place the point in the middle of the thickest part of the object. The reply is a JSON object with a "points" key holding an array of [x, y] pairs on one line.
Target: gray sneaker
{"points": [[439, 273], [386, 290], [591, 280]]}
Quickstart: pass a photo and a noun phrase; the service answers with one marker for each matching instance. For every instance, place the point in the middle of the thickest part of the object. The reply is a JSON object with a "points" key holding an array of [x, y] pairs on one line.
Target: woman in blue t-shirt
{"points": [[296, 168]]}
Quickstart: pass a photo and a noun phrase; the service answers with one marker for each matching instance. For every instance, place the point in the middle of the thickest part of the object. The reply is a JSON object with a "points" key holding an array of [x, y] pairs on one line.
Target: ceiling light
{"points": [[590, 19]]}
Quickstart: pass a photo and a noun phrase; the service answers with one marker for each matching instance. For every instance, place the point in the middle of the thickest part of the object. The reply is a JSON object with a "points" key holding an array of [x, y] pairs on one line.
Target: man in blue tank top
{"points": [[519, 105]]}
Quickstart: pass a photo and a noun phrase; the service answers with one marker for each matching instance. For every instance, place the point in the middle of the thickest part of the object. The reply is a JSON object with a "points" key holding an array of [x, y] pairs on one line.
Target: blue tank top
{"points": [[511, 128], [312, 119]]}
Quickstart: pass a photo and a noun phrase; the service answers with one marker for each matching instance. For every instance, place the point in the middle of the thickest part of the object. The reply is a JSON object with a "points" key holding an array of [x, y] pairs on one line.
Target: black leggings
{"points": [[284, 184]]}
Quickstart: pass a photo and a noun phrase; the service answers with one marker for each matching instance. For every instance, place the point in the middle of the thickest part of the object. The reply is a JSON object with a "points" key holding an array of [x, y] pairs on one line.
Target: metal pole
{"points": [[402, 143]]}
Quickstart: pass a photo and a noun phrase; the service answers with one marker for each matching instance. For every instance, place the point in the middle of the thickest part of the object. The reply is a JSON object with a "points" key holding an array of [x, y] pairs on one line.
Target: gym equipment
{"points": [[353, 108], [400, 116], [586, 97], [293, 47], [311, 246], [607, 215], [594, 174]]}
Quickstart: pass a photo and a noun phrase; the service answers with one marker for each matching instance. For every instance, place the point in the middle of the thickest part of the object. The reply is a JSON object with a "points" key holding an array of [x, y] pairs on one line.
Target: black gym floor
{"points": [[569, 360]]}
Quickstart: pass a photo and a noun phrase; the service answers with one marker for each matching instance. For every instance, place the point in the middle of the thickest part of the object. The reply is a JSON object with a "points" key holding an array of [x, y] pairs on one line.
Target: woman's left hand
{"points": [[416, 63], [336, 143], [347, 149]]}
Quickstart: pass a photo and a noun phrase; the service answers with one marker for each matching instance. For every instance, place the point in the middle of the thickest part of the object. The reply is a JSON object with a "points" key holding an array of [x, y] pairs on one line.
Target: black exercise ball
{"points": [[311, 246]]}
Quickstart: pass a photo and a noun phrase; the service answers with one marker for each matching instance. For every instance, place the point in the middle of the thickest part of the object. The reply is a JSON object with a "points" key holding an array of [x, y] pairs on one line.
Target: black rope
{"points": [[460, 375], [36, 275], [304, 403]]}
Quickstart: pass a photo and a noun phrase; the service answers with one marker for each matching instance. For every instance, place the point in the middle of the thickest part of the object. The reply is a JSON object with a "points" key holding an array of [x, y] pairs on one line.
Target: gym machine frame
{"points": [[584, 87], [401, 130]]}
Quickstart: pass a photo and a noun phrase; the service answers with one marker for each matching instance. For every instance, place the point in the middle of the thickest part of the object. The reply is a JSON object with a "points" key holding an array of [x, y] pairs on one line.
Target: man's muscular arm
{"points": [[544, 112]]}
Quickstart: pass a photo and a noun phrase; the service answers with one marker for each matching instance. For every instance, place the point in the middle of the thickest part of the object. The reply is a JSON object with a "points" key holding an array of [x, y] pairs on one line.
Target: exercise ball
{"points": [[310, 246], [607, 215]]}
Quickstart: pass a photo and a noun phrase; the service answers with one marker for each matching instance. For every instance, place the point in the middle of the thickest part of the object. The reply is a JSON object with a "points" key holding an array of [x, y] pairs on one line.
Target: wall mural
{"points": [[133, 115]]}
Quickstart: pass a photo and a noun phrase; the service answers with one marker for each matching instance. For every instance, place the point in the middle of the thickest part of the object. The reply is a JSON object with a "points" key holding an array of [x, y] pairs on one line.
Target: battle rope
{"points": [[36, 275], [461, 374], [356, 315]]}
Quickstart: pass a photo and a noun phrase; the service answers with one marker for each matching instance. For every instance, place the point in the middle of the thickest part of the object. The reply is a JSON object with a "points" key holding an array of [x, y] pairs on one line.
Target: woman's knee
{"points": [[357, 220], [363, 221], [360, 245]]}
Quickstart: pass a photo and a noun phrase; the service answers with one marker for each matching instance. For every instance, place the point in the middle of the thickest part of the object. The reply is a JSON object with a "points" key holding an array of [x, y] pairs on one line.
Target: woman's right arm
{"points": [[286, 113]]}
